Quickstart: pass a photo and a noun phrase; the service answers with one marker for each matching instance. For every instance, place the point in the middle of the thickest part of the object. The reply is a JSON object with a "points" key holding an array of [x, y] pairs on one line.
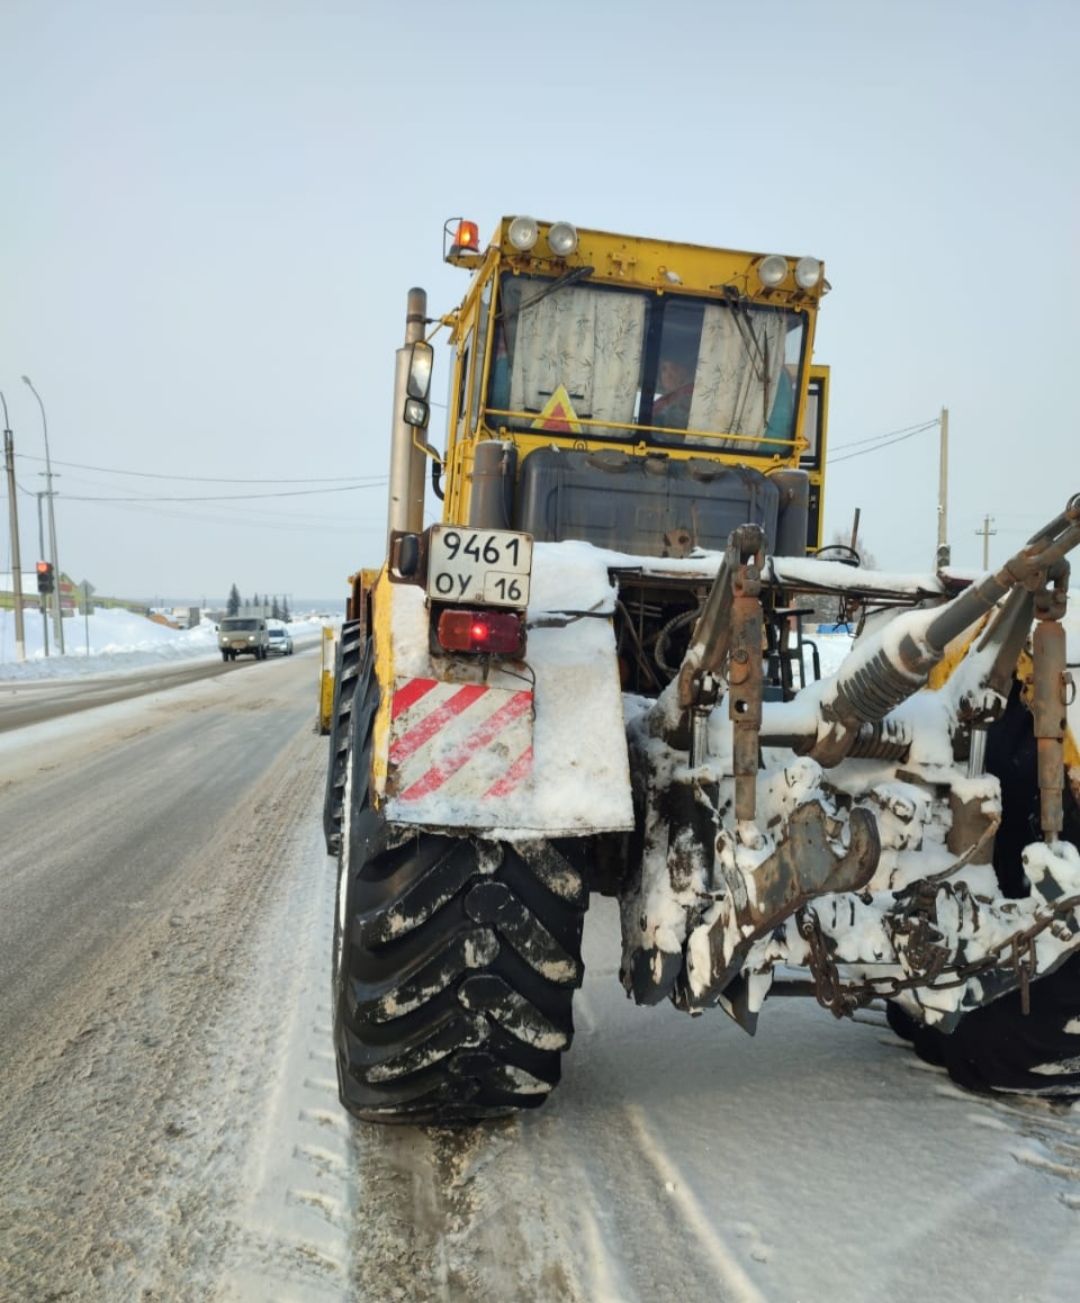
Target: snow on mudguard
{"points": [[460, 740], [516, 749]]}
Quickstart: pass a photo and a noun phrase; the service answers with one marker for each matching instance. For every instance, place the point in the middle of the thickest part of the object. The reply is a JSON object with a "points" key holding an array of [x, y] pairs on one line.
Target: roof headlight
{"points": [[562, 239], [523, 233], [772, 270], [807, 273]]}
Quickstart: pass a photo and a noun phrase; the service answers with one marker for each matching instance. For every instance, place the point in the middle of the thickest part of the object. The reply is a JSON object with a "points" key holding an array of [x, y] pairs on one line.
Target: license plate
{"points": [[487, 566]]}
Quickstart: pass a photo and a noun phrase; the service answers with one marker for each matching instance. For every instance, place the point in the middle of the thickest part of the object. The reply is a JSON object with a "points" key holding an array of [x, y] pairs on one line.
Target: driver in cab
{"points": [[675, 383]]}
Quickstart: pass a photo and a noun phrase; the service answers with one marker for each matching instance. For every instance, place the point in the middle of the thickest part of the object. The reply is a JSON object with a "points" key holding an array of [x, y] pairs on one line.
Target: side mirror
{"points": [[408, 559], [420, 364], [418, 385]]}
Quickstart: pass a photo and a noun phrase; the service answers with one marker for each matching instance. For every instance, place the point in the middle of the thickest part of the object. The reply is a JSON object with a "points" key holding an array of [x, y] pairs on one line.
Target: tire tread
{"points": [[460, 961]]}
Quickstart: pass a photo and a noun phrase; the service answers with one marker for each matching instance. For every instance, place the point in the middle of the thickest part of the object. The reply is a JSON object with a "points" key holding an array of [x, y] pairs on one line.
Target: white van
{"points": [[243, 635]]}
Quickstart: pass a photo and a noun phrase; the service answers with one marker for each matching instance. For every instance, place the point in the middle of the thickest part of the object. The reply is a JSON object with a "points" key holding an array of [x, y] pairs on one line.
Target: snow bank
{"points": [[111, 641]]}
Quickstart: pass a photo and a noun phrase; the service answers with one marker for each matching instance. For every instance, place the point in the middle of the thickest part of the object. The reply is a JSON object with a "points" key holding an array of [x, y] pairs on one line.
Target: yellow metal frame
{"points": [[382, 597], [326, 682], [817, 473], [658, 266]]}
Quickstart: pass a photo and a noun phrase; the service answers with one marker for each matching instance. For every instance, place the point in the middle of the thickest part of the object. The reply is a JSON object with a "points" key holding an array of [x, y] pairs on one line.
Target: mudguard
{"points": [[535, 748]]}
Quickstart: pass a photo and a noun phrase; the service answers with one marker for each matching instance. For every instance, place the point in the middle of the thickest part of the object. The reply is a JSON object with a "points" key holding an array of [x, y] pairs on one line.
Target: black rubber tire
{"points": [[455, 964], [225, 656], [346, 675], [998, 1047]]}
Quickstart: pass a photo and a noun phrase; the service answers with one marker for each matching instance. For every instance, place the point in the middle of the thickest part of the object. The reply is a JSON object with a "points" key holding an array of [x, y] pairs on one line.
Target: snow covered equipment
{"points": [[592, 676]]}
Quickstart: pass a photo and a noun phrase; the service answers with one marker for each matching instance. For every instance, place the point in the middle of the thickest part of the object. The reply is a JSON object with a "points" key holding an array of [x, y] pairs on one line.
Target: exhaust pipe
{"points": [[406, 505]]}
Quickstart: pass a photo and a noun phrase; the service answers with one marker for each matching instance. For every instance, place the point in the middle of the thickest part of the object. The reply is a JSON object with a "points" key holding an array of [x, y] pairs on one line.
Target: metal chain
{"points": [[842, 999], [829, 989]]}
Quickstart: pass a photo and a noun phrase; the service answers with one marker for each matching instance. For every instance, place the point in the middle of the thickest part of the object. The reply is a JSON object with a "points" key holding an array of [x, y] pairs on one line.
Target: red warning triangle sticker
{"points": [[558, 414]]}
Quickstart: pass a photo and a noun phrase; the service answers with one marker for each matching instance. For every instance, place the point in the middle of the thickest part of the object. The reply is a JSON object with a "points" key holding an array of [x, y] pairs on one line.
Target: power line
{"points": [[280, 524], [195, 479], [930, 425], [229, 497], [277, 512], [891, 434], [253, 517]]}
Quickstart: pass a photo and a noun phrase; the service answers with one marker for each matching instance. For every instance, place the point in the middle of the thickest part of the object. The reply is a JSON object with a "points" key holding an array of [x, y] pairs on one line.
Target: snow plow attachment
{"points": [[867, 855]]}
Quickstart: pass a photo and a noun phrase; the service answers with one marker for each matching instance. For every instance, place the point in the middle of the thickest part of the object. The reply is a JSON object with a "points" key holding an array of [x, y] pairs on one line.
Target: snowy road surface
{"points": [[169, 1125], [32, 700]]}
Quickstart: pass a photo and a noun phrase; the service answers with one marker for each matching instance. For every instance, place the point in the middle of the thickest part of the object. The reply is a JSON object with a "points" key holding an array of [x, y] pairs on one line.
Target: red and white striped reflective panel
{"points": [[458, 740]]}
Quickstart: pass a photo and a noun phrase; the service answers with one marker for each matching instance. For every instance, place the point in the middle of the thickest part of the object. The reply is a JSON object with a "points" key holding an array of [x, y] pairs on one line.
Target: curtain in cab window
{"points": [[736, 377], [588, 341]]}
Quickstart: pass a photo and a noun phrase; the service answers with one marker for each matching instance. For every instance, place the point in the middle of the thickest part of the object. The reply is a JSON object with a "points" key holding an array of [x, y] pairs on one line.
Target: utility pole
{"points": [[13, 515], [58, 614], [41, 553], [987, 533], [944, 552]]}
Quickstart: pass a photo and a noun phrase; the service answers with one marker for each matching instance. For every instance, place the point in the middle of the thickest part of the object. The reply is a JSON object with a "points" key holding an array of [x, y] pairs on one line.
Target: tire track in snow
{"points": [[559, 1205], [446, 1215], [607, 1283], [728, 1268], [1051, 1129], [129, 1104], [644, 1178], [294, 1221], [1052, 1132]]}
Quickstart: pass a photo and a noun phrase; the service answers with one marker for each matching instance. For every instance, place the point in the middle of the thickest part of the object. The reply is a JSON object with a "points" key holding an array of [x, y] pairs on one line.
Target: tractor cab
{"points": [[615, 380]]}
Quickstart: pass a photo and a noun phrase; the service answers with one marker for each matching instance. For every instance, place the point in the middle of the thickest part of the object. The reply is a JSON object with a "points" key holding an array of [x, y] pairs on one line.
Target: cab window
{"points": [[609, 362]]}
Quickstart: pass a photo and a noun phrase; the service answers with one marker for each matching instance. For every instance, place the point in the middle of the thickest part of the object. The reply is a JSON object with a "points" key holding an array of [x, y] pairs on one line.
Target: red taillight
{"points": [[494, 632]]}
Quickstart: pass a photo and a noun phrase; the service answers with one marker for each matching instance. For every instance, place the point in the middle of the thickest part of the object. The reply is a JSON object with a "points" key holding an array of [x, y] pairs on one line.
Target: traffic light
{"points": [[44, 578]]}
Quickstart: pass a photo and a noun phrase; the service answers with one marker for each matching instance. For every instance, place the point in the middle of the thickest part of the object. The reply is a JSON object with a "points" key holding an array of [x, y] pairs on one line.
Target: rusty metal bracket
{"points": [[726, 649], [746, 668], [710, 642], [1048, 710], [805, 865], [1025, 966]]}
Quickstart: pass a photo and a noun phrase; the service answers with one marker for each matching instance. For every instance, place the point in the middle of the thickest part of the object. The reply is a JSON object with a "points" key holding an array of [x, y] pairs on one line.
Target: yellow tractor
{"points": [[592, 676]]}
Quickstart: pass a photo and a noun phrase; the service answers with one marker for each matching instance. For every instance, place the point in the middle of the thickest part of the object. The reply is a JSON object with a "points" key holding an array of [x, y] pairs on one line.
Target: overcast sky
{"points": [[212, 212]]}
